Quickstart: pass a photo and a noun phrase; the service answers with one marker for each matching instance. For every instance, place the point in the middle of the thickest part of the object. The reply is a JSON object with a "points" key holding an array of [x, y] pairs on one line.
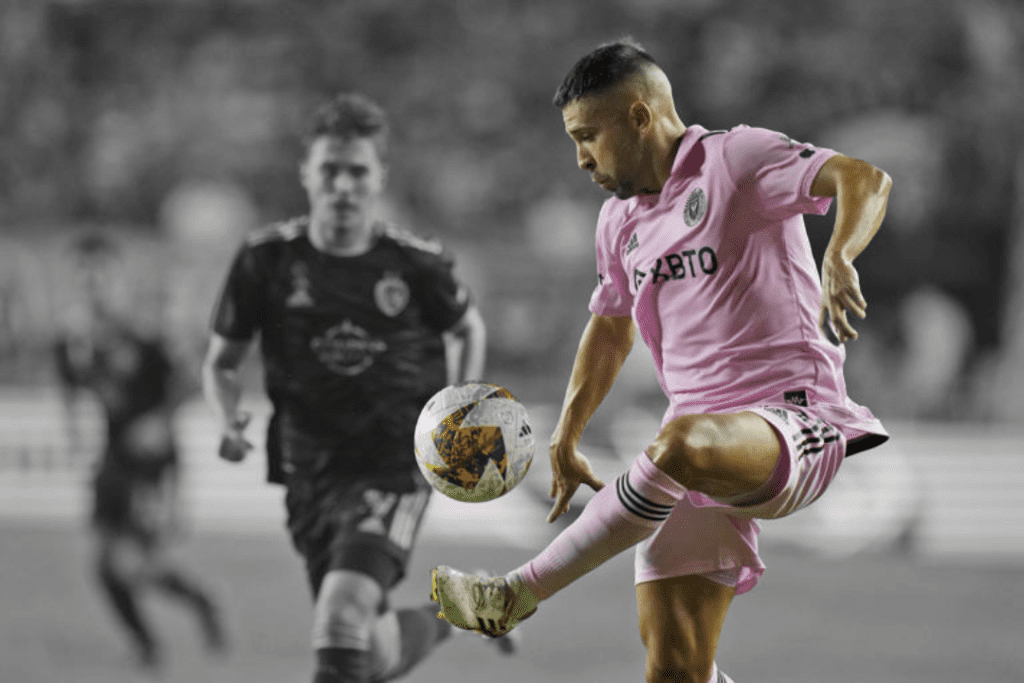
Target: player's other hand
{"points": [[233, 444], [569, 469], [840, 292]]}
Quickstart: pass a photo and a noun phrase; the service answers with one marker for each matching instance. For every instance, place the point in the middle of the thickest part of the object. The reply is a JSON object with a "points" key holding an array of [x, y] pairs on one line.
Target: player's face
{"points": [[99, 281], [607, 143], [343, 177]]}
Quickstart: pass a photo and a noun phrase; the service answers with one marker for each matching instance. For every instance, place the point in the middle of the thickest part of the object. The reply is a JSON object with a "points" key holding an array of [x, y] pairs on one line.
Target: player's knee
{"points": [[345, 611], [674, 664], [687, 448]]}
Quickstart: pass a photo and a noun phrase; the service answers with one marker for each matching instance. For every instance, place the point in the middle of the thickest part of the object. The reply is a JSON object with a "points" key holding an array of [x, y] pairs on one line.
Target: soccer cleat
{"points": [[489, 605]]}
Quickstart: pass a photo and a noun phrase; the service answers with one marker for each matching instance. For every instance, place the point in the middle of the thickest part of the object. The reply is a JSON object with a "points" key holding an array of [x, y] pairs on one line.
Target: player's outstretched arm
{"points": [[466, 342], [223, 391], [603, 348], [862, 193]]}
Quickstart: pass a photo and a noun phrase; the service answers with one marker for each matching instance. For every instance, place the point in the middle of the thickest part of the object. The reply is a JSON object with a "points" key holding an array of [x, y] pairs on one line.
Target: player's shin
{"points": [[402, 638], [342, 648], [342, 665], [616, 518]]}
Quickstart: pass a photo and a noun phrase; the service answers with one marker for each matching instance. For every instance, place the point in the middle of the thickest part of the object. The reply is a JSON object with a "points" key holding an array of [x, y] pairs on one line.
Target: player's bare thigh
{"points": [[721, 455], [681, 619]]}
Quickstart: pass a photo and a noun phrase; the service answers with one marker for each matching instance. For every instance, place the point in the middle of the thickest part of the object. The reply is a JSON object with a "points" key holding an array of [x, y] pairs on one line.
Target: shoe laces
{"points": [[486, 591]]}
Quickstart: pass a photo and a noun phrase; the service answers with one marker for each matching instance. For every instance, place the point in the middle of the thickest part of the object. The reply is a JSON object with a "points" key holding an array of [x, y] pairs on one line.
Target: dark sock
{"points": [[342, 665], [420, 631], [122, 598]]}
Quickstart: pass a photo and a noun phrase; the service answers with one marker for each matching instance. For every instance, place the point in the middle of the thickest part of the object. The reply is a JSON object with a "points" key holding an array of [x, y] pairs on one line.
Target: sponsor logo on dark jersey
{"points": [[347, 349]]}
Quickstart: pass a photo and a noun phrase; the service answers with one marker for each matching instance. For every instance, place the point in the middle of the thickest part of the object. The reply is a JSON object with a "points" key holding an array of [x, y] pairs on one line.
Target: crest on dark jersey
{"points": [[300, 296], [391, 294], [696, 207]]}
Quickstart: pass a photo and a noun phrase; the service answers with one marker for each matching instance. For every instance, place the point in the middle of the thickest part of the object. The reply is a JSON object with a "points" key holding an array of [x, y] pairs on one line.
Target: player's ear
{"points": [[640, 115]]}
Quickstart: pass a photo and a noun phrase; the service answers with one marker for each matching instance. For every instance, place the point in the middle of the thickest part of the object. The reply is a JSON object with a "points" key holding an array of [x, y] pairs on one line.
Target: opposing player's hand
{"points": [[233, 444], [569, 469], [840, 292]]}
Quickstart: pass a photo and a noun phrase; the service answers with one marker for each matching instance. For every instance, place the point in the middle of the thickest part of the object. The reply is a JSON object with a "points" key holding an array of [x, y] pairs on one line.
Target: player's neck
{"points": [[665, 145], [338, 240]]}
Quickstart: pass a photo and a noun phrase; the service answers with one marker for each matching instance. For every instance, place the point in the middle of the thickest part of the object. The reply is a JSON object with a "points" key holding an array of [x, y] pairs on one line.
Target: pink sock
{"points": [[618, 516]]}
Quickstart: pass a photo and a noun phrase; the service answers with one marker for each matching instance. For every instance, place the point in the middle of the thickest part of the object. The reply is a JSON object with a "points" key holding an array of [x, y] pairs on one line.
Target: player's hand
{"points": [[233, 444], [569, 469], [840, 292]]}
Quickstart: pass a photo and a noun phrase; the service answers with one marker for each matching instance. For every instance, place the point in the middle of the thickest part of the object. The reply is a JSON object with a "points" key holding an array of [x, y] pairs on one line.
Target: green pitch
{"points": [[874, 618]]}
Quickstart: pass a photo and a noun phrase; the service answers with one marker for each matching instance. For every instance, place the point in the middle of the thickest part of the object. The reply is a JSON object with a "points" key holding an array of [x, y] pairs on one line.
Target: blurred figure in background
{"points": [[135, 487], [355, 319]]}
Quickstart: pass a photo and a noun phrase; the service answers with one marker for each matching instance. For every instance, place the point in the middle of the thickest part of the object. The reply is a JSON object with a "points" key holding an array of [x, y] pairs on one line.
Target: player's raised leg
{"points": [[681, 619], [730, 455]]}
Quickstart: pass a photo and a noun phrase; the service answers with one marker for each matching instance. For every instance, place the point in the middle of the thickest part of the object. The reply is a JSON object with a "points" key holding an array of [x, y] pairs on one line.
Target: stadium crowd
{"points": [[172, 123]]}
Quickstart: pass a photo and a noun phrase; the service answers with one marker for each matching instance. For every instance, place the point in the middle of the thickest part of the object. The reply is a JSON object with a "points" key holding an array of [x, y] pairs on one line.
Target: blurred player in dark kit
{"points": [[355, 320], [703, 251], [136, 504]]}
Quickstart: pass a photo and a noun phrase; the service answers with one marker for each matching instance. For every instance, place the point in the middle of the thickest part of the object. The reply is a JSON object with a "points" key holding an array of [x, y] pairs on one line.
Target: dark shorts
{"points": [[364, 525], [129, 505], [342, 520]]}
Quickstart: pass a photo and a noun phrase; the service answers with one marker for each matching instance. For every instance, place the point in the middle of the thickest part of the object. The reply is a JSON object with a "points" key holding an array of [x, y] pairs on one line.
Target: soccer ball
{"points": [[474, 441]]}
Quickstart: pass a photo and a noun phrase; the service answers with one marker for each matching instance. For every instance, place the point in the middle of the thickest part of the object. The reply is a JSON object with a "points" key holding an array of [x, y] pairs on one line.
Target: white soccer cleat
{"points": [[489, 605]]}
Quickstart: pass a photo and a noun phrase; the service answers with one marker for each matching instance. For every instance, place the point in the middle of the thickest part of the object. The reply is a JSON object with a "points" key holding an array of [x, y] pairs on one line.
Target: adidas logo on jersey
{"points": [[633, 243]]}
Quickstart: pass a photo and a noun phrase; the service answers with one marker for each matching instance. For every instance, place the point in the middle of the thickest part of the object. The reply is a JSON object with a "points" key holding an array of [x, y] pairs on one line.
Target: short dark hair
{"points": [[602, 68], [350, 115]]}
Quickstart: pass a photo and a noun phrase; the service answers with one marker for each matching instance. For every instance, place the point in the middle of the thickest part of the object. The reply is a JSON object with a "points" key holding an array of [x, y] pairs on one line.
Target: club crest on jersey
{"points": [[696, 207], [391, 293], [300, 296]]}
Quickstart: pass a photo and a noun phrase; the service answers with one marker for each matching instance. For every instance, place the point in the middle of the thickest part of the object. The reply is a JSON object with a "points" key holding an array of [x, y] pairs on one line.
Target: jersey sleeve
{"points": [[443, 297], [611, 297], [238, 310], [777, 169]]}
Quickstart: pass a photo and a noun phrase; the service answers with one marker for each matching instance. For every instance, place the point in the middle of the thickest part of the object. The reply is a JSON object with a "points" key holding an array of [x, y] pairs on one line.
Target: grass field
{"points": [[872, 618]]}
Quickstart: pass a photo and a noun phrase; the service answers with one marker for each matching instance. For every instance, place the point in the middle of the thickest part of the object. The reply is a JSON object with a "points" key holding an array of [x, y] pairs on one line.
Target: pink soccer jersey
{"points": [[717, 272]]}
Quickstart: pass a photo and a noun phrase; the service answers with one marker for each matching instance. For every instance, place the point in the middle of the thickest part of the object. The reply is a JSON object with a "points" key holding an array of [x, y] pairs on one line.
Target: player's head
{"points": [[615, 101], [96, 261], [343, 171], [99, 279]]}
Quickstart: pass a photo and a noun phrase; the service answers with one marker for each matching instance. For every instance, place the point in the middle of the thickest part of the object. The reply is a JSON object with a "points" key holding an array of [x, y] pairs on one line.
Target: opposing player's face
{"points": [[607, 143], [343, 177]]}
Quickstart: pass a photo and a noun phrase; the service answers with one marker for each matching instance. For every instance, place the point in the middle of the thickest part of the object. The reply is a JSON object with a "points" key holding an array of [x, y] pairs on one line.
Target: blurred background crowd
{"points": [[174, 125]]}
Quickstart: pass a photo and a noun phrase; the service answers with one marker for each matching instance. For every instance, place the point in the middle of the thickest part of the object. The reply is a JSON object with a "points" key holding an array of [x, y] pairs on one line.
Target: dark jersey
{"points": [[351, 346], [132, 378]]}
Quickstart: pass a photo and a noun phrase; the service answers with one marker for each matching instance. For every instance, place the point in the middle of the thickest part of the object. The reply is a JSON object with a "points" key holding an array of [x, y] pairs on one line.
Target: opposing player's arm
{"points": [[603, 348], [862, 193], [222, 389], [466, 347]]}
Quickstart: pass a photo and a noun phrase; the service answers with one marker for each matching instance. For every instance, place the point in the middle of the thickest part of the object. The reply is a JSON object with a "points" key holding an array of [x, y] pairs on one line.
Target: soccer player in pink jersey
{"points": [[703, 250]]}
